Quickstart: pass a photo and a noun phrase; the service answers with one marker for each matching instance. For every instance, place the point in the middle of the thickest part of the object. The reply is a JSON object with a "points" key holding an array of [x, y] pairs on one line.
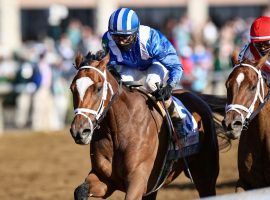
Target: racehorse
{"points": [[128, 136], [246, 116]]}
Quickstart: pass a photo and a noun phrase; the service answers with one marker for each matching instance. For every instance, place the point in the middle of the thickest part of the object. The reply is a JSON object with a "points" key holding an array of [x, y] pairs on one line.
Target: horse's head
{"points": [[91, 93], [245, 91]]}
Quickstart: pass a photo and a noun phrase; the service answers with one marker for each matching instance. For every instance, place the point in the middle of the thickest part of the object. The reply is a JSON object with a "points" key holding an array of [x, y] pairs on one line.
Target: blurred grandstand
{"points": [[38, 41]]}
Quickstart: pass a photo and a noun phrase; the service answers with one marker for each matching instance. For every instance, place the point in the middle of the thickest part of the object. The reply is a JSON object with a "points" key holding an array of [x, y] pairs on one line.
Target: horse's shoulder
{"points": [[151, 103]]}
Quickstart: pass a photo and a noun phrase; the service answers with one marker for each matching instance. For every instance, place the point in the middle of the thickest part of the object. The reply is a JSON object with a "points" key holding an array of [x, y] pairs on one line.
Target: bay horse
{"points": [[247, 116], [128, 136]]}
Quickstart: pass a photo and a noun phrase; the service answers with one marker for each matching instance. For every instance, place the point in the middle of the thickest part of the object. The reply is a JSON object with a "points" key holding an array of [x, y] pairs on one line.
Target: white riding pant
{"points": [[156, 73]]}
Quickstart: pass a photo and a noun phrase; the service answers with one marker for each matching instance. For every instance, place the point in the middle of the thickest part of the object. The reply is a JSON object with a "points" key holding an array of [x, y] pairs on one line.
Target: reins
{"points": [[115, 95], [256, 112]]}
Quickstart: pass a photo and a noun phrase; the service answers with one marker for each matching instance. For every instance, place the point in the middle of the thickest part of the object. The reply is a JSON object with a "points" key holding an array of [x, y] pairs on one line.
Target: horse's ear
{"points": [[104, 61], [234, 58], [262, 61], [78, 60], [100, 55], [89, 56]]}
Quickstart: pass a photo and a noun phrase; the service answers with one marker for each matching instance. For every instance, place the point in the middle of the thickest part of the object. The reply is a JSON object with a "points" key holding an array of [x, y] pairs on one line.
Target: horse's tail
{"points": [[194, 102], [215, 102], [217, 105]]}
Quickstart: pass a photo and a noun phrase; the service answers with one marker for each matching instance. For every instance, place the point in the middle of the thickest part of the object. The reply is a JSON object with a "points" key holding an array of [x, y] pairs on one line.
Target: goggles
{"points": [[124, 40], [262, 47]]}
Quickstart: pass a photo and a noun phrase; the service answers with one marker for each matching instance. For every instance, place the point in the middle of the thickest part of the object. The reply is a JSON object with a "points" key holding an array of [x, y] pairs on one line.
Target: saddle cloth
{"points": [[189, 136]]}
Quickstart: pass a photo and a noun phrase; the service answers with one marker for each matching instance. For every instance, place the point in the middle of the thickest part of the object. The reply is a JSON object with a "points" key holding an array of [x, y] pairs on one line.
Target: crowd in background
{"points": [[41, 71], [207, 63]]}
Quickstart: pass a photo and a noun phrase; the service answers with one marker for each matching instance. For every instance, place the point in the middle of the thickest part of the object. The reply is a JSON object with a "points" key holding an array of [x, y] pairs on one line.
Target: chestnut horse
{"points": [[246, 115], [128, 136]]}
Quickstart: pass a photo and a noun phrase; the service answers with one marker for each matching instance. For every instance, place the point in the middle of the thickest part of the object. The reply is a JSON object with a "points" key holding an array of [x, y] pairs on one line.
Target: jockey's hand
{"points": [[163, 93]]}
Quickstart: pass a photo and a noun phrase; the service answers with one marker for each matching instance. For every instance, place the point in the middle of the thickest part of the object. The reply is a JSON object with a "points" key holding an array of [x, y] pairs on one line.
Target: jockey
{"points": [[138, 51], [259, 44]]}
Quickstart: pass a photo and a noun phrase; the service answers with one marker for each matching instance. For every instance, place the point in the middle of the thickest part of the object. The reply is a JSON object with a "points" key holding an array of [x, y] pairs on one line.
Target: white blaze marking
{"points": [[82, 85], [240, 78]]}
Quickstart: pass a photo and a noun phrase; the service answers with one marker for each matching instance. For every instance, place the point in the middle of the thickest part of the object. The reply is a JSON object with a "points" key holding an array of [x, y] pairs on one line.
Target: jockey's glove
{"points": [[164, 93]]}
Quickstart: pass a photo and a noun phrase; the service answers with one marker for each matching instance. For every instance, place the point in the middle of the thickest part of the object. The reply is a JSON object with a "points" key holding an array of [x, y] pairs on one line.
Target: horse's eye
{"points": [[253, 87], [99, 87]]}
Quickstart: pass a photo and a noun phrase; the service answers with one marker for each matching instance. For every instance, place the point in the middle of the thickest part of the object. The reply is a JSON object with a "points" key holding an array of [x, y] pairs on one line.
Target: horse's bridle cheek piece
{"points": [[97, 113], [259, 94]]}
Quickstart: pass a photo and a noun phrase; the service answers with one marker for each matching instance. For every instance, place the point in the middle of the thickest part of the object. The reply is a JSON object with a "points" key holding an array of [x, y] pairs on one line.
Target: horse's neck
{"points": [[262, 116], [125, 103], [125, 99], [129, 107]]}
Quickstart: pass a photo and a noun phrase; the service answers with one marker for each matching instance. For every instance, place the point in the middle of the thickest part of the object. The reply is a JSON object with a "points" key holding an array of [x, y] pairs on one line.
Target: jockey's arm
{"points": [[105, 43], [162, 50], [242, 52]]}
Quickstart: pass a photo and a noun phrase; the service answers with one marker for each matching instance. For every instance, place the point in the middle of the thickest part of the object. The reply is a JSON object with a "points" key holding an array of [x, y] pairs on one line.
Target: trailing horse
{"points": [[129, 138], [246, 116], [246, 112]]}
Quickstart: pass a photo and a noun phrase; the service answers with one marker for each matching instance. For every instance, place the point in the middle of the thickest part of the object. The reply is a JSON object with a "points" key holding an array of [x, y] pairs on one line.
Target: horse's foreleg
{"points": [[92, 187], [136, 184], [81, 192], [239, 186], [151, 196]]}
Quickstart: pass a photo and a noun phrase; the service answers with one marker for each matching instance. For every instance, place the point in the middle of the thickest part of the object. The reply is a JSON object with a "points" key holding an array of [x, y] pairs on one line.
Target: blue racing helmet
{"points": [[123, 21]]}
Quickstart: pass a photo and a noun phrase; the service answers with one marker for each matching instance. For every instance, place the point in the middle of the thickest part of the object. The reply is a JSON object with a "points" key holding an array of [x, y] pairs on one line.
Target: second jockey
{"points": [[259, 44]]}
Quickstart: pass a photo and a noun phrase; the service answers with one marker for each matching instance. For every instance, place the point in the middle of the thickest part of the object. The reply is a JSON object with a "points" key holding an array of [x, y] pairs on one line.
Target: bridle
{"points": [[101, 111], [260, 94]]}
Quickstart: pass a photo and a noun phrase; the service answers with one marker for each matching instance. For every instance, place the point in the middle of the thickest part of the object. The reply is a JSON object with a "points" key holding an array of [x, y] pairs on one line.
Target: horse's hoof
{"points": [[81, 192]]}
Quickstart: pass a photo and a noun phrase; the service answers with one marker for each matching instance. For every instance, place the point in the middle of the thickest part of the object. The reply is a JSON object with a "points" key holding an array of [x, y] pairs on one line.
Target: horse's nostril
{"points": [[226, 126], [78, 137], [86, 131], [236, 124], [223, 124]]}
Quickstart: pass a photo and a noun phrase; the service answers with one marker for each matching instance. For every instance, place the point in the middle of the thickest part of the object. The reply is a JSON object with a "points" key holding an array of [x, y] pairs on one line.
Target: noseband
{"points": [[259, 94], [99, 112]]}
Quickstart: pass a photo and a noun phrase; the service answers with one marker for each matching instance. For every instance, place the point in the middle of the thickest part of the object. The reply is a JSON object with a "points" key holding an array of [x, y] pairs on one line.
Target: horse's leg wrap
{"points": [[81, 192]]}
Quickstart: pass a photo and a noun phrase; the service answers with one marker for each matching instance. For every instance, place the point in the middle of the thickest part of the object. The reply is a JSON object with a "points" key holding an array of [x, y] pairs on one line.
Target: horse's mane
{"points": [[81, 60], [258, 64]]}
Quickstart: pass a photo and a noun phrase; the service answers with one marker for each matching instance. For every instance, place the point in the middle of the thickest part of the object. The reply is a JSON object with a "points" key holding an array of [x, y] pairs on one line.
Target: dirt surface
{"points": [[48, 166]]}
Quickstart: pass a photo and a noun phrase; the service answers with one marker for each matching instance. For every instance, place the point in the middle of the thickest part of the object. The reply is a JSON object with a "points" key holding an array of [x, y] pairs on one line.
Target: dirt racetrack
{"points": [[48, 166]]}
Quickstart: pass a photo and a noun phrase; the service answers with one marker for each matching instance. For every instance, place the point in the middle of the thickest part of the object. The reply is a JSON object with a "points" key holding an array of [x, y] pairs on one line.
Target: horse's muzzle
{"points": [[83, 137], [80, 131], [233, 128]]}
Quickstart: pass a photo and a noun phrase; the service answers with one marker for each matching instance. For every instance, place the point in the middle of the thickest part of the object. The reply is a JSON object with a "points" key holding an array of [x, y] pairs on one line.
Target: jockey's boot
{"points": [[175, 117]]}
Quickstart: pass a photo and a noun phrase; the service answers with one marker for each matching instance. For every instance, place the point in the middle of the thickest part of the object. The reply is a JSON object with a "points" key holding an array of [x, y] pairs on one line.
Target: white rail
{"points": [[258, 194]]}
